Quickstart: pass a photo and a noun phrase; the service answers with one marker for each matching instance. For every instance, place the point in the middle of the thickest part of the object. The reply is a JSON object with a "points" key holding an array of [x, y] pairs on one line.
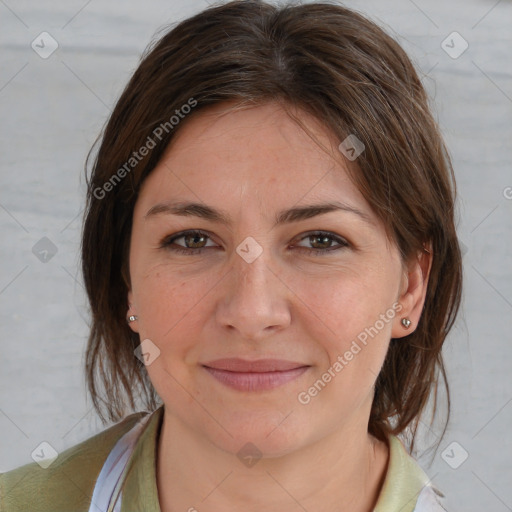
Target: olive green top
{"points": [[68, 483]]}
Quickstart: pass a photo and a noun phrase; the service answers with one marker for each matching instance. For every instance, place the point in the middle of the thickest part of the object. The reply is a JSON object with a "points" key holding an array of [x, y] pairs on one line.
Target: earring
{"points": [[406, 322], [132, 318]]}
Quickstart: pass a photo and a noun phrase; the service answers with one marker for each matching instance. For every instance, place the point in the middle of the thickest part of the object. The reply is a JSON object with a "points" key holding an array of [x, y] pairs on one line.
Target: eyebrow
{"points": [[297, 214]]}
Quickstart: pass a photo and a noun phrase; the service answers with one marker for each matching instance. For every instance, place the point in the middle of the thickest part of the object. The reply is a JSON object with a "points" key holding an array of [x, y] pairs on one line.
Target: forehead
{"points": [[257, 154]]}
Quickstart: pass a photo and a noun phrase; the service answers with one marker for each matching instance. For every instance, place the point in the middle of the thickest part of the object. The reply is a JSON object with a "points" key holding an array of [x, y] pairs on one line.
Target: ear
{"points": [[134, 326], [413, 291]]}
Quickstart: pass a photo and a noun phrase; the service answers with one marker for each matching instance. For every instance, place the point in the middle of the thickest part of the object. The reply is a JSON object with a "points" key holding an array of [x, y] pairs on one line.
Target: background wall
{"points": [[52, 106]]}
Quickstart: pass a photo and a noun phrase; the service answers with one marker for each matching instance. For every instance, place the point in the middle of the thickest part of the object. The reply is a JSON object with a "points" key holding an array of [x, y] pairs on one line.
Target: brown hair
{"points": [[347, 72]]}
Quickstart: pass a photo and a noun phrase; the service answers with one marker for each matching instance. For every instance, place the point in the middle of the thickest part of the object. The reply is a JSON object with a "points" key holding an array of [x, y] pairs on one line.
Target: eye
{"points": [[194, 242], [323, 240]]}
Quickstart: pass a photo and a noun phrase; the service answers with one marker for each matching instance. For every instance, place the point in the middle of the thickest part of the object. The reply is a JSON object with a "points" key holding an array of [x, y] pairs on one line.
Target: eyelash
{"points": [[168, 241]]}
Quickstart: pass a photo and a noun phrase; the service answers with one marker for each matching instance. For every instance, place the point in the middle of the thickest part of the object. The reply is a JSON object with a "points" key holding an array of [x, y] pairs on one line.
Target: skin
{"points": [[286, 304]]}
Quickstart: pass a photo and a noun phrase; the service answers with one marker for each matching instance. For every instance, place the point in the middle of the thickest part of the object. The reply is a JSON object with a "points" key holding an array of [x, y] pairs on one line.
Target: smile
{"points": [[255, 381]]}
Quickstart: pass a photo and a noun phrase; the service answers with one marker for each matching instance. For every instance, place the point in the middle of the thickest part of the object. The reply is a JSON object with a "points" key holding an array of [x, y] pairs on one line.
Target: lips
{"points": [[259, 366], [261, 375]]}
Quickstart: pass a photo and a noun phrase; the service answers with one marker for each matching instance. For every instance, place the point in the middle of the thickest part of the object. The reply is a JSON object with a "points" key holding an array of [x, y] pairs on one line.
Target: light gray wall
{"points": [[51, 111]]}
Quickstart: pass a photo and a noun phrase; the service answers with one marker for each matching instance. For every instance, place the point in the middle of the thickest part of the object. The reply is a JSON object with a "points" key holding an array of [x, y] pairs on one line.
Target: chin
{"points": [[270, 434]]}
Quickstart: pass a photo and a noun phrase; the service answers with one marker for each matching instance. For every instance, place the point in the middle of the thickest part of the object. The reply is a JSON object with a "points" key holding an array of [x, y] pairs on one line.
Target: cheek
{"points": [[351, 314], [346, 302], [169, 307], [172, 315]]}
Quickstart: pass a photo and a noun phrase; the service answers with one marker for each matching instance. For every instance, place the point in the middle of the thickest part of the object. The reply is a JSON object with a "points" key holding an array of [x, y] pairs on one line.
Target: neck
{"points": [[341, 472]]}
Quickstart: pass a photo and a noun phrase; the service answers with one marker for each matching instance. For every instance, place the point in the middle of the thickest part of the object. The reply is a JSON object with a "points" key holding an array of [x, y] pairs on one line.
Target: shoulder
{"points": [[429, 500], [68, 483], [406, 486]]}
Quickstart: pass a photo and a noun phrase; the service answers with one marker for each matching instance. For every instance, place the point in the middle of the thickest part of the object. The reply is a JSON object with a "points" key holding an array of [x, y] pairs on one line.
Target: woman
{"points": [[270, 256]]}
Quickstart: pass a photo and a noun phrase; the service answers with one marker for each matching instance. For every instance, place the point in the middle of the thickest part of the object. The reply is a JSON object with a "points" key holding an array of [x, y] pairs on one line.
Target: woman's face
{"points": [[261, 284]]}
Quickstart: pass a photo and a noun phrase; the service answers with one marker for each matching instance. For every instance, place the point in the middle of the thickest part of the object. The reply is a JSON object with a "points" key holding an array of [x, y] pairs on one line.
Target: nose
{"points": [[255, 299]]}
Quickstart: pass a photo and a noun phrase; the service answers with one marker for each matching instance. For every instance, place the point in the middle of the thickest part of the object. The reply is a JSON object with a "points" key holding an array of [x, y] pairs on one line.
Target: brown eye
{"points": [[194, 242], [322, 242]]}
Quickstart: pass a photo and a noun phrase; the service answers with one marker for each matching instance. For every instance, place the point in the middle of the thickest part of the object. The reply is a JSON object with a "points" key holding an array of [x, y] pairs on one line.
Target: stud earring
{"points": [[132, 318], [406, 323]]}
